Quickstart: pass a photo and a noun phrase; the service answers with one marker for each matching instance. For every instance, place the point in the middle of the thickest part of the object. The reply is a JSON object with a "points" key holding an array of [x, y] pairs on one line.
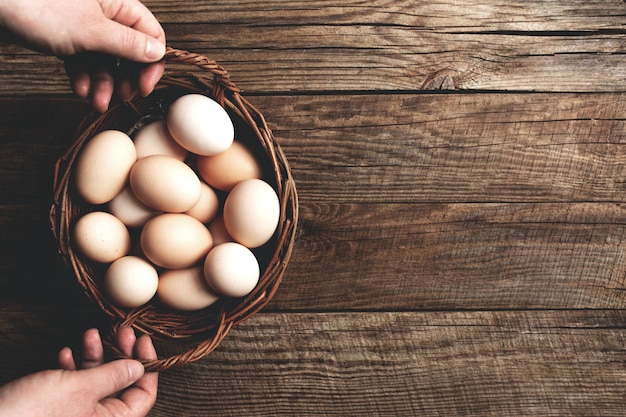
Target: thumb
{"points": [[122, 41], [111, 377]]}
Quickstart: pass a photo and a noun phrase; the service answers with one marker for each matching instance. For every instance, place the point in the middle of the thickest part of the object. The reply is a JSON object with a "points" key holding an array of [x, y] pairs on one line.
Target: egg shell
{"points": [[131, 281], [175, 240], [103, 166], [231, 270], [225, 170], [200, 125], [101, 237], [165, 184], [185, 289], [207, 207], [251, 212], [132, 212], [155, 139], [218, 231]]}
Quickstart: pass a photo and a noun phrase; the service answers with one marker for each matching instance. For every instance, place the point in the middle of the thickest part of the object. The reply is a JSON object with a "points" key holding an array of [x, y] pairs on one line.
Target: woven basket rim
{"points": [[202, 330]]}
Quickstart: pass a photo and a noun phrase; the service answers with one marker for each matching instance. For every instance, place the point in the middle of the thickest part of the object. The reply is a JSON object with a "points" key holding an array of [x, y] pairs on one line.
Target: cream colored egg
{"points": [[131, 281], [165, 184], [185, 289], [155, 139], [103, 166], [132, 212], [218, 231], [231, 270], [200, 125], [207, 207], [101, 237], [251, 212], [175, 240], [225, 170]]}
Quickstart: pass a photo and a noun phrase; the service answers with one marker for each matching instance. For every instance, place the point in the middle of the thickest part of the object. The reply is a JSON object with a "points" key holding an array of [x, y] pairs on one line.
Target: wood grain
{"points": [[469, 207], [524, 363], [460, 169], [381, 46]]}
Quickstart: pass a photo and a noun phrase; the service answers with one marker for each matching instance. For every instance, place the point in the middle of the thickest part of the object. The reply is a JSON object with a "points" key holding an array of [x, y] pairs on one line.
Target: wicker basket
{"points": [[194, 334]]}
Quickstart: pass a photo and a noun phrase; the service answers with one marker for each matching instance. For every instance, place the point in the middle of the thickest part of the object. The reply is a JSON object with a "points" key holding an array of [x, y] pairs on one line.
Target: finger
{"points": [[135, 14], [78, 75], [110, 378], [128, 73], [124, 42], [142, 395], [144, 350], [102, 87], [66, 359], [125, 340], [93, 352], [149, 76]]}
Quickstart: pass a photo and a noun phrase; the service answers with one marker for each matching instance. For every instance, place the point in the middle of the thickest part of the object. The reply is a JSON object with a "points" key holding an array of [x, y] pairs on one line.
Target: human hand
{"points": [[117, 388], [90, 36]]}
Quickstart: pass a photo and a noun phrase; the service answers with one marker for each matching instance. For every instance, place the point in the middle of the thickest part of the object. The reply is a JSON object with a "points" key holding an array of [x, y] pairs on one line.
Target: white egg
{"points": [[200, 125], [131, 281], [231, 269]]}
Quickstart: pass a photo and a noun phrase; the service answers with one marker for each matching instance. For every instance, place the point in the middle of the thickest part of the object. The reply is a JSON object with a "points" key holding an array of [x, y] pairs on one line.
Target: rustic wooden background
{"points": [[461, 247]]}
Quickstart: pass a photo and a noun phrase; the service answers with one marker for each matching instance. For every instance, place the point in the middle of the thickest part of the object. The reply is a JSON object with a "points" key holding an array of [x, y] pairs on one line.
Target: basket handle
{"points": [[221, 78]]}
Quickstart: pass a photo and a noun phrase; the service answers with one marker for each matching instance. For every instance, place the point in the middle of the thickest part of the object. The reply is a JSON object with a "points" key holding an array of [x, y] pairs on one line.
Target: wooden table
{"points": [[461, 247]]}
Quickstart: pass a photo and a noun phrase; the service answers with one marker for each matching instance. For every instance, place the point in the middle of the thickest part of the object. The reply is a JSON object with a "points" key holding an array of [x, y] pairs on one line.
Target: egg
{"points": [[231, 270], [132, 212], [207, 207], [175, 240], [185, 289], [131, 281], [155, 139], [101, 237], [200, 125], [251, 212], [225, 170], [103, 166], [165, 184], [218, 231]]}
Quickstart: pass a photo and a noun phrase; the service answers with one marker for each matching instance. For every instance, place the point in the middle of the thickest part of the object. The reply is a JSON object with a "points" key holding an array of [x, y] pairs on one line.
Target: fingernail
{"points": [[154, 49], [135, 370]]}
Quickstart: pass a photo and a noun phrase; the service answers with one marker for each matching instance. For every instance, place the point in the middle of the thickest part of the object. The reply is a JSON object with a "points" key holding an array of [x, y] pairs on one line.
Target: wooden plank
{"points": [[404, 148], [522, 363], [394, 257], [457, 256], [381, 45], [452, 148]]}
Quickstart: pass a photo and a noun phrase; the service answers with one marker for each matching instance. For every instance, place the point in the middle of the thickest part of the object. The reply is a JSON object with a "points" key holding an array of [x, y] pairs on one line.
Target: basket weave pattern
{"points": [[200, 332]]}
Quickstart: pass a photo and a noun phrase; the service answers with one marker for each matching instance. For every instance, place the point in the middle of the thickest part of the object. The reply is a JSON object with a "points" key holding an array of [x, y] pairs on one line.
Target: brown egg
{"points": [[165, 183], [101, 237], [103, 165], [175, 240], [251, 212], [155, 139], [225, 170], [207, 207], [185, 289]]}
